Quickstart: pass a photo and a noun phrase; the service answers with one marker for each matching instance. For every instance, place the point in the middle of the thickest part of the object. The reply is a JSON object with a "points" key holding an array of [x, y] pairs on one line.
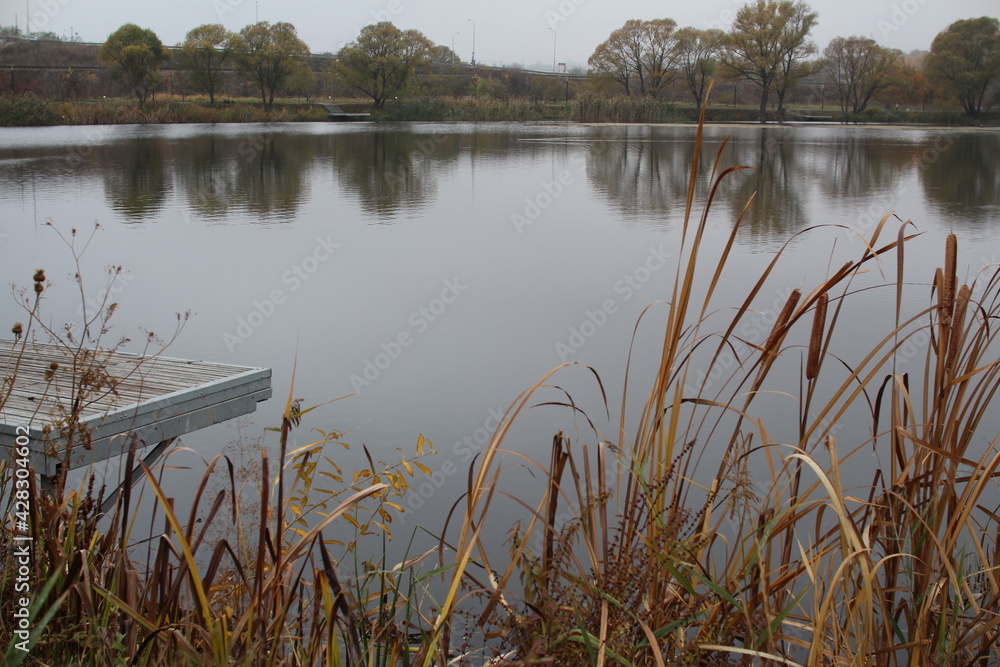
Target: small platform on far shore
{"points": [[334, 112], [121, 396]]}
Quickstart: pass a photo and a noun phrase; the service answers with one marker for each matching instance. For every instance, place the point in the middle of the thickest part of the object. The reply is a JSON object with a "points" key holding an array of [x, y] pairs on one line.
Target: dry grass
{"points": [[261, 593], [668, 563], [24, 111], [701, 533]]}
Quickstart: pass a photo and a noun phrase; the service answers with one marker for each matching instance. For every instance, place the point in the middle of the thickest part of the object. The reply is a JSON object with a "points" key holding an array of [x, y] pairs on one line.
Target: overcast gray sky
{"points": [[507, 32]]}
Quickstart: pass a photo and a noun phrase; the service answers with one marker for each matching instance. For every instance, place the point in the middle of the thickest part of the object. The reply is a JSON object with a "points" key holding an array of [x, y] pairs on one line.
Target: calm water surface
{"points": [[437, 270]]}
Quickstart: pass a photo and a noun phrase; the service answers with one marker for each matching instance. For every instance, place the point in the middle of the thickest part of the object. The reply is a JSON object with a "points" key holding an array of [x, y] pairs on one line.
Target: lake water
{"points": [[437, 270]]}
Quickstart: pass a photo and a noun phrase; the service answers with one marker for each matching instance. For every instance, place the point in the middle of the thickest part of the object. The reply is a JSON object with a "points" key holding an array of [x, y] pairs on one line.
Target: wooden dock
{"points": [[810, 118], [334, 112], [119, 396]]}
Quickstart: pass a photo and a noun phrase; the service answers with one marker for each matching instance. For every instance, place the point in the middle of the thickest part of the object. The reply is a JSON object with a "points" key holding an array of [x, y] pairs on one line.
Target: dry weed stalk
{"points": [[654, 570]]}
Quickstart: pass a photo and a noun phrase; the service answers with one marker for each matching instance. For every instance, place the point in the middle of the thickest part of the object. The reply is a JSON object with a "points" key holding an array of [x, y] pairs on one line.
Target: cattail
{"points": [[779, 325], [816, 339], [955, 342], [948, 284]]}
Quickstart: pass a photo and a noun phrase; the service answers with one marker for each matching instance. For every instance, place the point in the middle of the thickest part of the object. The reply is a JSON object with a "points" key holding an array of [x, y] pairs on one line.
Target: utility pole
{"points": [[554, 35], [473, 41]]}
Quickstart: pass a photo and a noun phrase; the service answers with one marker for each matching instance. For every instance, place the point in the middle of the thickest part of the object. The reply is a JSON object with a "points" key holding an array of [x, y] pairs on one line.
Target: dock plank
{"points": [[121, 395]]}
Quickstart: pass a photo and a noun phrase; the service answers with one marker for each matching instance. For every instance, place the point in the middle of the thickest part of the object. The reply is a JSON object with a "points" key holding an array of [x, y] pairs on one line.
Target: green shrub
{"points": [[26, 111]]}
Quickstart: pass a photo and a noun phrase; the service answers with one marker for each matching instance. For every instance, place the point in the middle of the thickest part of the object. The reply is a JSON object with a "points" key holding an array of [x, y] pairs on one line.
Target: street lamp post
{"points": [[453, 54], [473, 41], [554, 35]]}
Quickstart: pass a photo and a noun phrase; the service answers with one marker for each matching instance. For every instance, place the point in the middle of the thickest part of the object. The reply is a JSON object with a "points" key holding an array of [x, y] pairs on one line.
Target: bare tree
{"points": [[659, 54], [767, 44], [640, 56], [860, 69], [697, 52]]}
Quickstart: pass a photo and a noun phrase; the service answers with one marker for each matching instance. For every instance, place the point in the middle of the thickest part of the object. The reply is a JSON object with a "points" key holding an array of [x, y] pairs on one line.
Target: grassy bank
{"points": [[470, 109], [30, 111], [703, 529]]}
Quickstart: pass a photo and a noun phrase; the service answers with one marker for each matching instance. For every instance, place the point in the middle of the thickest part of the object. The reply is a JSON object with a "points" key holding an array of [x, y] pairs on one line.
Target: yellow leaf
{"points": [[420, 444], [384, 528], [424, 469], [299, 532], [350, 519], [394, 506]]}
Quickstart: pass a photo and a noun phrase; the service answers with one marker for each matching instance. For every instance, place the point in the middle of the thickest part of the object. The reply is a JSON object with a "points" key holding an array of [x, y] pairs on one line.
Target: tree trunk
{"points": [[762, 113]]}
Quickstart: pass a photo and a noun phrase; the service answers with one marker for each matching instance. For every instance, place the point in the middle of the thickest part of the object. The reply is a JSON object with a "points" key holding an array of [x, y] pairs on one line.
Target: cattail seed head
{"points": [[958, 324], [816, 338], [948, 284], [779, 325]]}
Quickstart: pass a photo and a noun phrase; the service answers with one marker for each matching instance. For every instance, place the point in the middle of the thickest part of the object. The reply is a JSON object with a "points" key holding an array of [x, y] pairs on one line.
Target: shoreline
{"points": [[35, 112]]}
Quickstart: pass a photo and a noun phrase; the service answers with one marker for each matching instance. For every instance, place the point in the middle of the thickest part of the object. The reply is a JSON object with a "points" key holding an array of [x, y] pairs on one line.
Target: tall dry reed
{"points": [[673, 559]]}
